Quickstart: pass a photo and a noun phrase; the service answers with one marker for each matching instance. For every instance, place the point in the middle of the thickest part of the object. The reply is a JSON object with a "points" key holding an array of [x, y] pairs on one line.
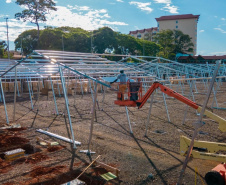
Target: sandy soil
{"points": [[137, 157]]}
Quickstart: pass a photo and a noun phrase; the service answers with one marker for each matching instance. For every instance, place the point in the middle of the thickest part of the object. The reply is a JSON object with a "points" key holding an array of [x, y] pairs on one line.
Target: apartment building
{"points": [[148, 33], [186, 23]]}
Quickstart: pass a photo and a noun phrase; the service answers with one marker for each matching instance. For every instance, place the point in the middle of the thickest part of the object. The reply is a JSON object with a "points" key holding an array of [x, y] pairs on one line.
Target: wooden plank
{"points": [[108, 168]]}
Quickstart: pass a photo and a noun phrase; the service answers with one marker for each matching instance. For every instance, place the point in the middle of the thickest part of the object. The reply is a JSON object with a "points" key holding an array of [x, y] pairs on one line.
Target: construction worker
{"points": [[122, 85], [121, 77]]}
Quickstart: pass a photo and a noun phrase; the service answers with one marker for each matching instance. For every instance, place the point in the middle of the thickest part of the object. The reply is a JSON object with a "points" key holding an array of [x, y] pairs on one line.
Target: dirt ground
{"points": [[137, 157]]}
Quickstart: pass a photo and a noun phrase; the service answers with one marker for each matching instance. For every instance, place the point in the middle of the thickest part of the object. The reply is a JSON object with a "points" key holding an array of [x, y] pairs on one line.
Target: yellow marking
{"points": [[220, 120]]}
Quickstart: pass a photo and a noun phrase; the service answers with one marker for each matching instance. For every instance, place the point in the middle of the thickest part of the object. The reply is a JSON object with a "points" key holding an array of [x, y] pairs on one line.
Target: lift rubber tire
{"points": [[214, 178]]}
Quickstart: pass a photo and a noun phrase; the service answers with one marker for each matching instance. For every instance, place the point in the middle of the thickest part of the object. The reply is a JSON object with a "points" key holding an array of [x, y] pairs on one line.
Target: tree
{"points": [[76, 39], [29, 41], [183, 42], [148, 48], [79, 40], [65, 38], [3, 47], [104, 38], [148, 36], [35, 11], [127, 43], [173, 42], [165, 39], [51, 39]]}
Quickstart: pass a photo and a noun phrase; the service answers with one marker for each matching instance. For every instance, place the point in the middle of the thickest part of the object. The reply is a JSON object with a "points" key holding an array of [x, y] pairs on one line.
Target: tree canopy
{"points": [[173, 42], [3, 47], [168, 42], [28, 40], [79, 40], [35, 11], [183, 42]]}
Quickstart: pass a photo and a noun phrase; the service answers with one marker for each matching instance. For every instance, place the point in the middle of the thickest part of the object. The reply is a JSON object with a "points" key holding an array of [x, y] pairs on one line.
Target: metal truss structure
{"points": [[43, 71], [56, 68]]}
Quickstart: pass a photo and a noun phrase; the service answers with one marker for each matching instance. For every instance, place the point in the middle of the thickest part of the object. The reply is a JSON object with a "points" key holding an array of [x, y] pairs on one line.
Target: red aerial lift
{"points": [[134, 89], [135, 98]]}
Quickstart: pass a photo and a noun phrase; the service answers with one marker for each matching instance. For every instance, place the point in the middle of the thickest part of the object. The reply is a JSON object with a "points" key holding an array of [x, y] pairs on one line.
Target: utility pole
{"points": [[63, 45], [143, 48], [21, 46], [7, 28], [92, 42], [62, 42]]}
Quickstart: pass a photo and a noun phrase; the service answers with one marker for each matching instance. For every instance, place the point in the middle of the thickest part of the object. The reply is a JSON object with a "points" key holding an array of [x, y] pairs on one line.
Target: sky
{"points": [[124, 16]]}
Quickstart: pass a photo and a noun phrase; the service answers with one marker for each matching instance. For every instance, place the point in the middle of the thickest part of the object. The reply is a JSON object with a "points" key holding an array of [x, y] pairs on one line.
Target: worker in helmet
{"points": [[122, 85]]}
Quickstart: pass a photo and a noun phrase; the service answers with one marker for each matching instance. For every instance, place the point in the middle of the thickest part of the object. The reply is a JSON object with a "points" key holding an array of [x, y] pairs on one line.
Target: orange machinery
{"points": [[217, 175], [135, 98]]}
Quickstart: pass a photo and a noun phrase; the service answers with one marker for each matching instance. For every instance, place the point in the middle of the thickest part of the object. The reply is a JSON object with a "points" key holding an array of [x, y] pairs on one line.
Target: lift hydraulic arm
{"points": [[204, 149], [167, 91], [140, 102]]}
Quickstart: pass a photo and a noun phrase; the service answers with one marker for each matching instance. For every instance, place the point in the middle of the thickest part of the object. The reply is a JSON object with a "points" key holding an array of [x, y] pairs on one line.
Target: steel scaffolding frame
{"points": [[59, 68]]}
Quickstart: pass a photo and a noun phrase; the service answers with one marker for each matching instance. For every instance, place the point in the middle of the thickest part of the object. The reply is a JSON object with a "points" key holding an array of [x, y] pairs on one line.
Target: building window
{"points": [[176, 26], [176, 22], [139, 36]]}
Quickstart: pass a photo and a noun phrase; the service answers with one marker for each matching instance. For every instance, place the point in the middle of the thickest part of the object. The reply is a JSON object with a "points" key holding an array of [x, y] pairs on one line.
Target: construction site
{"points": [[63, 121]]}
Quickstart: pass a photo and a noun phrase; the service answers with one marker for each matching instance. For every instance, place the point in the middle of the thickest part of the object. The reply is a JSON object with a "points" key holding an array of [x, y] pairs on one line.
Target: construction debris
{"points": [[14, 154], [108, 176], [58, 136], [44, 142], [88, 166], [108, 168], [75, 182]]}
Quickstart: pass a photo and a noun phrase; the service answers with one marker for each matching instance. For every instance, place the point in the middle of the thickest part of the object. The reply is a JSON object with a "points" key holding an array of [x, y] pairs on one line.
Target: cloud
{"points": [[83, 17], [105, 22], [84, 8], [15, 28], [1, 15], [219, 53], [223, 19], [163, 1], [142, 6], [121, 1], [88, 20], [170, 8], [8, 1], [221, 30], [79, 8], [201, 31]]}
